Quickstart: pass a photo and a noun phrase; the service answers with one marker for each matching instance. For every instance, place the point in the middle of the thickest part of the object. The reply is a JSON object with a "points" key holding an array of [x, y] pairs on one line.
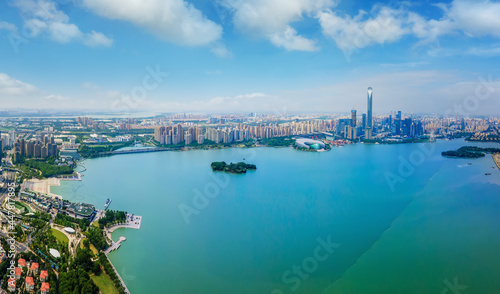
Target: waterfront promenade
{"points": [[133, 222]]}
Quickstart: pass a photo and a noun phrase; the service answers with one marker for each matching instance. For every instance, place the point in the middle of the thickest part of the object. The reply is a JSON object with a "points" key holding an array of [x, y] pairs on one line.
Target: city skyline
{"points": [[316, 56]]}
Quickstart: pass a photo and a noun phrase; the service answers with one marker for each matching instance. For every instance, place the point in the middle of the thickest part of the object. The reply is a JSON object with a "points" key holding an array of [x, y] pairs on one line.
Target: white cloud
{"points": [[291, 41], [475, 18], [12, 87], [91, 86], [64, 32], [7, 26], [173, 20], [55, 97], [96, 39], [271, 19], [385, 25], [474, 51], [43, 16], [405, 64], [220, 50]]}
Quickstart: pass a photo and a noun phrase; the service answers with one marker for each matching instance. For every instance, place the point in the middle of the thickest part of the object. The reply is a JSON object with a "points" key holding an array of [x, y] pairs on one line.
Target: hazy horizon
{"points": [[226, 56]]}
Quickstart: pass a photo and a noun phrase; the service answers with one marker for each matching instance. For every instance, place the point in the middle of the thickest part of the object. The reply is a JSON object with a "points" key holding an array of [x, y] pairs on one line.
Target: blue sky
{"points": [[254, 55]]}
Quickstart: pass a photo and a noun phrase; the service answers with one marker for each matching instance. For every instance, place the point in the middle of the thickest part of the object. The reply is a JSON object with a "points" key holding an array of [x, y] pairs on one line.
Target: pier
{"points": [[115, 245]]}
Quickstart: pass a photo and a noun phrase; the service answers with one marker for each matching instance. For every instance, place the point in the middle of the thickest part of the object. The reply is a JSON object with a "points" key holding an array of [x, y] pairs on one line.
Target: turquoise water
{"points": [[435, 220]]}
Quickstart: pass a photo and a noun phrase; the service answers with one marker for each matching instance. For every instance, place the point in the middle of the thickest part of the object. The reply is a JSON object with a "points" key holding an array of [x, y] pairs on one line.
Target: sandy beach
{"points": [[496, 158], [42, 186]]}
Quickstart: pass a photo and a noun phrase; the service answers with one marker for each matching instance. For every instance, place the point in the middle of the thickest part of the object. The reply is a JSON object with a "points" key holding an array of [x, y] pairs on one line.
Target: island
{"points": [[469, 152], [234, 168]]}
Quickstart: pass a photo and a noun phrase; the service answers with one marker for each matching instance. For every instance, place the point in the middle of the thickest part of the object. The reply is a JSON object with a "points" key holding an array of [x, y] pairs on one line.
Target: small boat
{"points": [[469, 163], [487, 174], [108, 201]]}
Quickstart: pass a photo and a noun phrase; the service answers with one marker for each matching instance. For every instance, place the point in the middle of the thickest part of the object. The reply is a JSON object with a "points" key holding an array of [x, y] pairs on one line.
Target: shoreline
{"points": [[115, 227], [44, 186], [496, 159]]}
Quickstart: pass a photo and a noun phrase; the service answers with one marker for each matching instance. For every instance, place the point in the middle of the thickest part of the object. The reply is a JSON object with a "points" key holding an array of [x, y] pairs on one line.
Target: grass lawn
{"points": [[103, 281], [92, 248], [59, 236]]}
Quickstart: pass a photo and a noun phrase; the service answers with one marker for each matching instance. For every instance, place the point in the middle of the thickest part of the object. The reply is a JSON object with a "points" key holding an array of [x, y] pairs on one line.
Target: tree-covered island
{"points": [[234, 168], [469, 152]]}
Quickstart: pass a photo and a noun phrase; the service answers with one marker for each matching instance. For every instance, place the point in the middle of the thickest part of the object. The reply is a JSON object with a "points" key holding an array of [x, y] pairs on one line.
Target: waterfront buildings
{"points": [[310, 144]]}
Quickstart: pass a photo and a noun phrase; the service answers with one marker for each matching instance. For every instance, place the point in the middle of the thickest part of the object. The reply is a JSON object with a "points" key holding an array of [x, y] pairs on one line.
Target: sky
{"points": [[227, 56]]}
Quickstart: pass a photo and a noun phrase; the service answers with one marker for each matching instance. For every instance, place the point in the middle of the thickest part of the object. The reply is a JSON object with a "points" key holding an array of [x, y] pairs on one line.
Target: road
{"points": [[20, 247]]}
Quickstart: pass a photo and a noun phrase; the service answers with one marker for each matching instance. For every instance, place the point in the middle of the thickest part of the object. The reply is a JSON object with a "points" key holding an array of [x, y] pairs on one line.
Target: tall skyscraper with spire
{"points": [[369, 120]]}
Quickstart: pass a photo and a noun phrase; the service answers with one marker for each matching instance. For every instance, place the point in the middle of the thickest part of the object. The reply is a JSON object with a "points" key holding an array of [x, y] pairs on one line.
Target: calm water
{"points": [[435, 220]]}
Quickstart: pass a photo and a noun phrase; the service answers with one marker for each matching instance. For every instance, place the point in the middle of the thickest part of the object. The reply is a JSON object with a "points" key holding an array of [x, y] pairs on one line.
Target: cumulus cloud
{"points": [[55, 97], [271, 19], [7, 26], [385, 25], [476, 18], [11, 87], [220, 50], [173, 20], [96, 39], [290, 40], [43, 16]]}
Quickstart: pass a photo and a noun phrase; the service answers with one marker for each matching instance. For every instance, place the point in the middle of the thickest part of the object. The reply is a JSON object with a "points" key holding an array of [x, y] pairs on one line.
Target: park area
{"points": [[60, 236]]}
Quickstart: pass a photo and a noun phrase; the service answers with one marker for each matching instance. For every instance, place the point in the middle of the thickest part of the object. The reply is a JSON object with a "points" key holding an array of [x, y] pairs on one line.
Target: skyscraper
{"points": [[353, 118], [369, 122]]}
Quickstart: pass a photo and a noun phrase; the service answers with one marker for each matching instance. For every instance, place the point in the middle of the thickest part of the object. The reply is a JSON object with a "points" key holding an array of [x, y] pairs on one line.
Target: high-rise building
{"points": [[363, 120], [188, 138], [353, 118], [30, 148], [201, 139], [369, 122], [180, 132], [37, 150]]}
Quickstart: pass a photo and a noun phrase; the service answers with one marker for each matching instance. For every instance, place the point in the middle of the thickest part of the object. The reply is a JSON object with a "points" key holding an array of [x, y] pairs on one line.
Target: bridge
{"points": [[10, 213], [142, 150]]}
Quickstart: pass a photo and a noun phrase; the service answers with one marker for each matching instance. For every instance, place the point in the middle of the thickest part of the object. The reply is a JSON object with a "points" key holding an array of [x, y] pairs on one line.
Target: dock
{"points": [[133, 222], [115, 245]]}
